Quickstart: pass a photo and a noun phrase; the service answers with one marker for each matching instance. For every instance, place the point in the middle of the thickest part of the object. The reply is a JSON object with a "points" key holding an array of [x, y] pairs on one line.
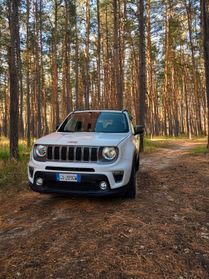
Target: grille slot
{"points": [[56, 153], [49, 153], [63, 153], [86, 154], [72, 153], [78, 154], [94, 154]]}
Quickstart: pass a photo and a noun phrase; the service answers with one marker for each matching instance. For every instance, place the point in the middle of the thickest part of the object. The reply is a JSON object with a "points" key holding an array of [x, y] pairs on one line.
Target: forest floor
{"points": [[163, 233]]}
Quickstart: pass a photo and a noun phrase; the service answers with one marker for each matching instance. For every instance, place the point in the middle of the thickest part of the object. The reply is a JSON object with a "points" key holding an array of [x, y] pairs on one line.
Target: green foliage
{"points": [[198, 150], [13, 175], [153, 145], [149, 146], [23, 151], [4, 154]]}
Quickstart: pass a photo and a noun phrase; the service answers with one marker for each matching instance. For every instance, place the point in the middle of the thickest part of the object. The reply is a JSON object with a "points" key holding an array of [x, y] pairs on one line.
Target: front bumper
{"points": [[88, 186]]}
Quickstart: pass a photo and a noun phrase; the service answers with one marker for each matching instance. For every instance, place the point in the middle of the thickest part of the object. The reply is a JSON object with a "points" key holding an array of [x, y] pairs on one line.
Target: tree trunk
{"points": [[86, 55], [66, 88], [37, 73], [150, 82], [166, 70], [194, 69], [55, 101], [116, 58], [42, 76], [76, 63], [21, 122], [13, 7], [205, 27], [6, 109], [28, 75], [98, 54], [142, 66]]}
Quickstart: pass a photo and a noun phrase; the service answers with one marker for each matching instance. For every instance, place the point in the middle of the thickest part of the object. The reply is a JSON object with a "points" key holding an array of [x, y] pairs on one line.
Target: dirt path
{"points": [[164, 233], [167, 156]]}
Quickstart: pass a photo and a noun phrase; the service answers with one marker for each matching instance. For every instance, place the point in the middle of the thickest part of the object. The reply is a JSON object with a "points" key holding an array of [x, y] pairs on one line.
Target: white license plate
{"points": [[68, 177]]}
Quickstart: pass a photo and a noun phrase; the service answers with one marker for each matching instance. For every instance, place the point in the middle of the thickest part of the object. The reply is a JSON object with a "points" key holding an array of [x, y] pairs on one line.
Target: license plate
{"points": [[68, 177]]}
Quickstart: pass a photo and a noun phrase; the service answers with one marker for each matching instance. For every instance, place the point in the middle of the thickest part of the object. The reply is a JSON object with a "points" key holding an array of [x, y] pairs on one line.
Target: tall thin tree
{"points": [[28, 74], [55, 99], [13, 8], [98, 53], [142, 64], [142, 74], [116, 59], [205, 26], [86, 55]]}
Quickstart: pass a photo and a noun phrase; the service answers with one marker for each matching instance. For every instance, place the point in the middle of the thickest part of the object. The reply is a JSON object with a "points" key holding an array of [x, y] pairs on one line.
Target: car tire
{"points": [[131, 191]]}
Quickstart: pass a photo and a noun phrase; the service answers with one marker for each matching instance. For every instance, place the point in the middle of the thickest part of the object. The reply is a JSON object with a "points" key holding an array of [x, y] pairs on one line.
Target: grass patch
{"points": [[151, 145], [181, 137], [4, 153], [198, 150], [24, 151], [13, 175]]}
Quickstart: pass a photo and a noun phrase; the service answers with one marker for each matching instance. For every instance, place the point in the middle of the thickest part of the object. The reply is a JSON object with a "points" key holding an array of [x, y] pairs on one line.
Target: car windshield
{"points": [[105, 122]]}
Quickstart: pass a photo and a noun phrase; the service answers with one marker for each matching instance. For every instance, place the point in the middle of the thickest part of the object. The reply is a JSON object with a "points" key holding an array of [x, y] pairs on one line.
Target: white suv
{"points": [[93, 152]]}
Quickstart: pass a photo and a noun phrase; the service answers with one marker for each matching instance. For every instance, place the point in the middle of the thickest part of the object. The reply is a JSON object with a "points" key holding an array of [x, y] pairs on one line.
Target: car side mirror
{"points": [[139, 130]]}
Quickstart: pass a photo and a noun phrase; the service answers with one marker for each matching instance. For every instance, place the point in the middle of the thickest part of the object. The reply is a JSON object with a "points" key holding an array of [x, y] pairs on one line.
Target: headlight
{"points": [[40, 150], [109, 153]]}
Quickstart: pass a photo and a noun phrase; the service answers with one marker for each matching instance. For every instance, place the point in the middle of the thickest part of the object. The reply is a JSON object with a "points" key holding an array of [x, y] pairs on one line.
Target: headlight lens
{"points": [[40, 150], [109, 153]]}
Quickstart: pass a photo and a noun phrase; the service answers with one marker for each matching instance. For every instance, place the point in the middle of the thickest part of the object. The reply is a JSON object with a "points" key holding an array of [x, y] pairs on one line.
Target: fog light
{"points": [[103, 185], [39, 181]]}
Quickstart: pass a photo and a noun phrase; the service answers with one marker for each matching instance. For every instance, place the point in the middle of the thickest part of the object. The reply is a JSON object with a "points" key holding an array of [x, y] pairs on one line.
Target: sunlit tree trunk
{"points": [[98, 55], [150, 81], [37, 73], [76, 63], [55, 100], [42, 74], [21, 97], [116, 57], [142, 66], [66, 85], [205, 27], [194, 69], [166, 71], [86, 55]]}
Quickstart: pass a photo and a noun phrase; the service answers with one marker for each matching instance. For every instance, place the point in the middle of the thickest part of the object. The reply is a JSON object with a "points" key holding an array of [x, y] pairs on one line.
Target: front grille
{"points": [[73, 153]]}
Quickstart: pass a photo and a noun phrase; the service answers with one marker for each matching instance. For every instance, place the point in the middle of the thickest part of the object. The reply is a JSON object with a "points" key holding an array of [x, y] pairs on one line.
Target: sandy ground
{"points": [[164, 233]]}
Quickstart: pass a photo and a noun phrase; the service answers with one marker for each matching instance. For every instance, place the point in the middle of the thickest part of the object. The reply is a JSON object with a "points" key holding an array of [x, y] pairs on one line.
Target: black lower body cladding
{"points": [[89, 185]]}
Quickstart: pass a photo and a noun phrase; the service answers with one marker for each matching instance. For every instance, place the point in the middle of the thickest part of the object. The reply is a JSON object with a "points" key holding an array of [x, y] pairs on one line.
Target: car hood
{"points": [[83, 139]]}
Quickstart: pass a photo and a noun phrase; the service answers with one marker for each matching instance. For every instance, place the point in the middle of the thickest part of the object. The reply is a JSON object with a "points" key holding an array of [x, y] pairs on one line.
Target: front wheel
{"points": [[131, 191]]}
